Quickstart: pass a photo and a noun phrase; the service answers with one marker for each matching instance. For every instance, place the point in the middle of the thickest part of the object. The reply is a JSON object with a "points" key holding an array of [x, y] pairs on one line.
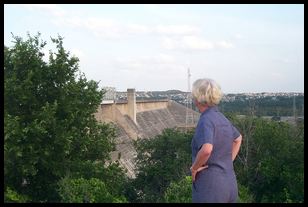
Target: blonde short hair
{"points": [[206, 91]]}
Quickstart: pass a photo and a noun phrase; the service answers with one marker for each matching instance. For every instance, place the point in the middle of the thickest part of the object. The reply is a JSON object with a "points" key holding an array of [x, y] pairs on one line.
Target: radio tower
{"points": [[189, 111]]}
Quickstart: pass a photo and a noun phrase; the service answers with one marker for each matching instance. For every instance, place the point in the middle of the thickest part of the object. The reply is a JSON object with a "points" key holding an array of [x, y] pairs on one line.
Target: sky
{"points": [[149, 47]]}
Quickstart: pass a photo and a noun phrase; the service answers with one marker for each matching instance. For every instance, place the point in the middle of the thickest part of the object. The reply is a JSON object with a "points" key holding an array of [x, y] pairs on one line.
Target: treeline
{"points": [[269, 167], [265, 106], [55, 151]]}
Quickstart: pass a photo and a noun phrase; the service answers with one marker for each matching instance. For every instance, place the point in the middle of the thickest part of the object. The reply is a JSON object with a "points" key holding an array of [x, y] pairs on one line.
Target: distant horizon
{"points": [[186, 91]]}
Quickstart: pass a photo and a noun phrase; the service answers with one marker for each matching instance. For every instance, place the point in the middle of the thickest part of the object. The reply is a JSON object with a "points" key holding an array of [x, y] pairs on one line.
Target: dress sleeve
{"points": [[205, 133], [235, 132]]}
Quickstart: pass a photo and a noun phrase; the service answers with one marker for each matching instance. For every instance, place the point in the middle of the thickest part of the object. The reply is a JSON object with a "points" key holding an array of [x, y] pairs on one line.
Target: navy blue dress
{"points": [[217, 183]]}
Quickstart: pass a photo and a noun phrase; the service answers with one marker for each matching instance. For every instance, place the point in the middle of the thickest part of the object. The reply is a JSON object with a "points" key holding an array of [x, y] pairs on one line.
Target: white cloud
{"points": [[157, 64], [73, 22], [277, 76], [94, 23], [193, 42], [176, 29], [160, 29], [238, 36], [169, 43], [160, 58], [50, 8], [46, 54], [164, 58], [225, 44], [151, 6], [138, 29], [78, 53], [286, 60], [187, 42], [101, 27], [109, 28]]}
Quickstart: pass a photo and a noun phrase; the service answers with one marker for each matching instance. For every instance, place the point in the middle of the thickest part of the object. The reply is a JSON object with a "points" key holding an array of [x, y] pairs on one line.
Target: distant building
{"points": [[110, 96]]}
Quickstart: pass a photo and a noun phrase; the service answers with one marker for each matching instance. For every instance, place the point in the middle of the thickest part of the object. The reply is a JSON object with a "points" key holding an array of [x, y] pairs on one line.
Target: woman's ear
{"points": [[196, 102]]}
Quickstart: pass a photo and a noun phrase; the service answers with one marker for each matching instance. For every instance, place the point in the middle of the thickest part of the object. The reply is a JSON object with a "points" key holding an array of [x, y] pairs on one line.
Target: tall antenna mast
{"points": [[189, 112], [188, 80]]}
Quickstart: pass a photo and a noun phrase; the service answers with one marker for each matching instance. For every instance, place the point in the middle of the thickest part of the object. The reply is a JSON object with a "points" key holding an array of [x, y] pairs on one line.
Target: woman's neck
{"points": [[203, 108]]}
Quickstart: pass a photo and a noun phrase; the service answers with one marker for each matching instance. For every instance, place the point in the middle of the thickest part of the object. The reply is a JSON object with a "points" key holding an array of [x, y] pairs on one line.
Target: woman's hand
{"points": [[194, 172]]}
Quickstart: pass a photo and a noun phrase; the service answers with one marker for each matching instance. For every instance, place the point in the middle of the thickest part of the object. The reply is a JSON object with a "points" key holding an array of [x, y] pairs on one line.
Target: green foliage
{"points": [[86, 191], [271, 160], [49, 127], [269, 166], [244, 196], [264, 106], [161, 160], [179, 192], [11, 196]]}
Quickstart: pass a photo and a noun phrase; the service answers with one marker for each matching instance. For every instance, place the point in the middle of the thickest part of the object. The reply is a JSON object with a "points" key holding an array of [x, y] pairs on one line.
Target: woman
{"points": [[215, 145]]}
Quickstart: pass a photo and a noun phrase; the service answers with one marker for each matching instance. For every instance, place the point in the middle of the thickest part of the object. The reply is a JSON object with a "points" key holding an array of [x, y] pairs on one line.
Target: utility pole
{"points": [[189, 111]]}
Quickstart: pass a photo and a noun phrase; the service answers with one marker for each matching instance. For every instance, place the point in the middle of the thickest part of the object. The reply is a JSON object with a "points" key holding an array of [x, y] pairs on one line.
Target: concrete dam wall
{"points": [[140, 120]]}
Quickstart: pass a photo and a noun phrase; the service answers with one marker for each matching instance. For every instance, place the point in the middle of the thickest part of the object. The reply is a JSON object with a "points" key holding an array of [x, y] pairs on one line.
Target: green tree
{"points": [[161, 160], [11, 196], [86, 191], [280, 163], [244, 195], [270, 163], [49, 127], [179, 192]]}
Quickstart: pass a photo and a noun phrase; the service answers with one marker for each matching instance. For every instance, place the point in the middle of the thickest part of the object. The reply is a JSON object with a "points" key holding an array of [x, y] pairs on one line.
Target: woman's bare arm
{"points": [[236, 147]]}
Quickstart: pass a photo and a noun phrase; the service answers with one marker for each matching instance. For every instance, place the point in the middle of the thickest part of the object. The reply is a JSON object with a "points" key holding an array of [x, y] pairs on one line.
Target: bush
{"points": [[244, 195], [179, 192], [11, 196], [86, 191]]}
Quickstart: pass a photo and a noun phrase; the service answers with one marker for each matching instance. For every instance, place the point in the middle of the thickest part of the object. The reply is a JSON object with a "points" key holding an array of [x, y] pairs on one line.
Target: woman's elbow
{"points": [[207, 149], [238, 139]]}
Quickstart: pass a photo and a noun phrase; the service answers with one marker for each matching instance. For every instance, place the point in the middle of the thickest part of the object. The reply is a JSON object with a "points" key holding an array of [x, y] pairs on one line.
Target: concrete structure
{"points": [[131, 104], [140, 120]]}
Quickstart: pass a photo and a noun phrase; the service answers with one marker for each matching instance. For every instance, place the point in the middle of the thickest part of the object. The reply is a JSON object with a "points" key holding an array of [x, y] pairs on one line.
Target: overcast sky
{"points": [[245, 48]]}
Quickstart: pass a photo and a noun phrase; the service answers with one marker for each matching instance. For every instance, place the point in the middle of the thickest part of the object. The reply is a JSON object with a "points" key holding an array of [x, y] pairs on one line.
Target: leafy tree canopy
{"points": [[49, 127], [161, 160]]}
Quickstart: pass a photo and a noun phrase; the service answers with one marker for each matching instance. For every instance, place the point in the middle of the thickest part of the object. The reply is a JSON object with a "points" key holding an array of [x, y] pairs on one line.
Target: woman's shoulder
{"points": [[207, 119]]}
